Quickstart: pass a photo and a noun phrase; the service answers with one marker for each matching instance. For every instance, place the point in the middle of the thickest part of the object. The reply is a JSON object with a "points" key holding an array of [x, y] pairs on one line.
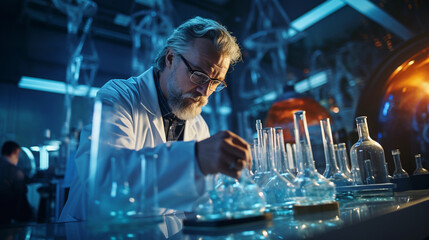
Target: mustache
{"points": [[193, 95]]}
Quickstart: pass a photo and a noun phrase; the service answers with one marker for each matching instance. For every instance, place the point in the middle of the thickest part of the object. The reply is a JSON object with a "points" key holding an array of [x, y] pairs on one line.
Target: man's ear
{"points": [[169, 57]]}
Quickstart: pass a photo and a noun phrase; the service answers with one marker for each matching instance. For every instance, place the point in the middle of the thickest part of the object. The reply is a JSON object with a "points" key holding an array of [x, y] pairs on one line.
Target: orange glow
{"points": [[281, 114], [408, 86]]}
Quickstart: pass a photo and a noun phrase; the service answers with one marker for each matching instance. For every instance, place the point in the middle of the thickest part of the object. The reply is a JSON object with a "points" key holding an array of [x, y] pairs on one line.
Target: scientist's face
{"points": [[185, 97]]}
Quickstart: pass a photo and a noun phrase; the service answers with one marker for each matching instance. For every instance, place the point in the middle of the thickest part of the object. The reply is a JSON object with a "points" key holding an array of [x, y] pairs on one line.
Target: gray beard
{"points": [[180, 103]]}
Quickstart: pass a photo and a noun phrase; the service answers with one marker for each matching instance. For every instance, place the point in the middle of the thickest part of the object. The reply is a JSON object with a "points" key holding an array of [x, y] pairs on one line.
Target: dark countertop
{"points": [[404, 216]]}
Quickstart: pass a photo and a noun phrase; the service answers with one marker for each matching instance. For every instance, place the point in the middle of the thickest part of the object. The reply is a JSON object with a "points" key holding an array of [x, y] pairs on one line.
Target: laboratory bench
{"points": [[405, 215]]}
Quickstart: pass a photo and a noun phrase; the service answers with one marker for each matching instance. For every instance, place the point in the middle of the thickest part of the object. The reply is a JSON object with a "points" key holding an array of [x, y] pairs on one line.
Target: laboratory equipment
{"points": [[399, 171], [332, 172], [230, 198], [311, 187], [419, 168], [279, 192], [367, 149], [282, 157], [122, 183], [369, 172], [343, 159]]}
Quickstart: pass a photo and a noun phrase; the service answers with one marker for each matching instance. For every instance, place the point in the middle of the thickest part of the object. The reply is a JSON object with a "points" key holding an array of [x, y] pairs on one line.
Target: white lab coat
{"points": [[140, 126]]}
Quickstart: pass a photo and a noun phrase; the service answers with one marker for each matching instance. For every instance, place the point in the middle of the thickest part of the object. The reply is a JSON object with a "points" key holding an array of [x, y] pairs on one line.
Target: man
{"points": [[14, 204], [159, 111]]}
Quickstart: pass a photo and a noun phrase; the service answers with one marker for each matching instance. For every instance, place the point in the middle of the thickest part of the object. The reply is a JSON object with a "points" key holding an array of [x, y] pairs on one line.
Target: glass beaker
{"points": [[332, 172], [366, 148], [399, 171], [122, 183], [311, 187], [419, 168]]}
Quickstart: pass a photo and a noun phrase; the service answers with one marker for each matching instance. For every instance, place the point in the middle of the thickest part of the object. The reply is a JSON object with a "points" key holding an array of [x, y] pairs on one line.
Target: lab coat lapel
{"points": [[150, 101], [191, 130]]}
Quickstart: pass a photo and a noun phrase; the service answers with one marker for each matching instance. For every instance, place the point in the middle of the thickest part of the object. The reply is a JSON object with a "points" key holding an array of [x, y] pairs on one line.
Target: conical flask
{"points": [[279, 192], [332, 172], [419, 168], [230, 198], [399, 171], [281, 156], [366, 148], [343, 159], [311, 187]]}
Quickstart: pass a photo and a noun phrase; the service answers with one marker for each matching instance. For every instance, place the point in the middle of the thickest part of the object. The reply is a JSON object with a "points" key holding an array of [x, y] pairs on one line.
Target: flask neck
{"points": [[363, 131], [419, 163], [328, 144], [303, 144], [397, 161]]}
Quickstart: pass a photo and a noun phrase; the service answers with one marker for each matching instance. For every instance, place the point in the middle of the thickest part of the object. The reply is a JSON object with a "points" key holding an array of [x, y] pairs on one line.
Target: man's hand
{"points": [[224, 152]]}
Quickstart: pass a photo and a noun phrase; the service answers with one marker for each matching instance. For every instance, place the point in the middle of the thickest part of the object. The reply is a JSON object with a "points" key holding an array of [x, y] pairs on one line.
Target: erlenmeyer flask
{"points": [[399, 171], [343, 159], [366, 148], [281, 156], [279, 192], [419, 168], [311, 187], [332, 172], [230, 198]]}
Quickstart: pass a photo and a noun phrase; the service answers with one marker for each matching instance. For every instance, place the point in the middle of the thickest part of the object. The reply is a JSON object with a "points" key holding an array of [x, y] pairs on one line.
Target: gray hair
{"points": [[199, 27]]}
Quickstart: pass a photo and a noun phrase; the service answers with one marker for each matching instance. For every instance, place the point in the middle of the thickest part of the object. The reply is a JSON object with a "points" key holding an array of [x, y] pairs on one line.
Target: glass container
{"points": [[419, 168], [281, 156], [291, 159], [230, 198], [367, 149], [332, 172], [279, 192], [122, 183], [369, 172], [399, 171], [311, 187], [343, 159]]}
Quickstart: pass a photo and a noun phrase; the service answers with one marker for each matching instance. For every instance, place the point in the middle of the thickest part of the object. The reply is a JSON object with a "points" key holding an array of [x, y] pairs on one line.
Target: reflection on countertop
{"points": [[402, 215]]}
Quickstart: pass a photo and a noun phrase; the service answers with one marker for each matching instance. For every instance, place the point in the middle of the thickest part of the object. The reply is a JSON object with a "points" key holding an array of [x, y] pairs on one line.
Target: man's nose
{"points": [[204, 89]]}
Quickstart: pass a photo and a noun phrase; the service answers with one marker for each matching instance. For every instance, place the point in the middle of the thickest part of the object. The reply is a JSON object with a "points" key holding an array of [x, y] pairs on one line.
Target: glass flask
{"points": [[230, 198], [343, 159], [399, 171], [332, 172], [279, 192], [419, 168], [369, 173], [291, 158], [122, 183], [311, 187], [281, 156], [366, 148]]}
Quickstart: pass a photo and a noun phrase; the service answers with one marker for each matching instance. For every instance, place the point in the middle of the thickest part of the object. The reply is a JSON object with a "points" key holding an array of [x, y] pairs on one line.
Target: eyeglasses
{"points": [[201, 78]]}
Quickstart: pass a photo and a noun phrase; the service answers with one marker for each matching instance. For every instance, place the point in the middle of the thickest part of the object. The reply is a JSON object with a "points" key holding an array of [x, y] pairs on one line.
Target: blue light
{"points": [[45, 85], [386, 108], [313, 81], [315, 15]]}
